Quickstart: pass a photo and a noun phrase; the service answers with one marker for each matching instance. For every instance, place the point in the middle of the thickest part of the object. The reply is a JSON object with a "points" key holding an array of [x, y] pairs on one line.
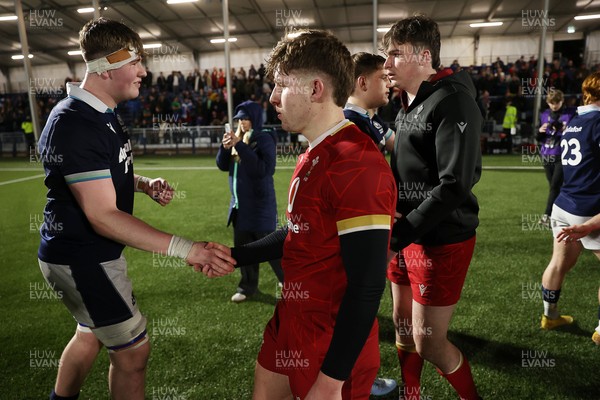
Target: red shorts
{"points": [[296, 346], [436, 274], [396, 271]]}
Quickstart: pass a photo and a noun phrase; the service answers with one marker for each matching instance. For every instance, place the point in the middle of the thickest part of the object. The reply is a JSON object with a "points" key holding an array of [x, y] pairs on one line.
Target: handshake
{"points": [[211, 258]]}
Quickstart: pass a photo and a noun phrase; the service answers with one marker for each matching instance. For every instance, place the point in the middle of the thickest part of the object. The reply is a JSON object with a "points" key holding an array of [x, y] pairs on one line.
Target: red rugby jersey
{"points": [[342, 184]]}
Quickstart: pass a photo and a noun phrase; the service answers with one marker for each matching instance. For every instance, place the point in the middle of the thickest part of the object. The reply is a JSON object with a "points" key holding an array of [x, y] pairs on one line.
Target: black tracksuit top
{"points": [[436, 162]]}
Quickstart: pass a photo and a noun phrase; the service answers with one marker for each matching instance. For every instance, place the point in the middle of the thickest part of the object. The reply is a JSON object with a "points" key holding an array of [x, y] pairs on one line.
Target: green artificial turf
{"points": [[204, 346]]}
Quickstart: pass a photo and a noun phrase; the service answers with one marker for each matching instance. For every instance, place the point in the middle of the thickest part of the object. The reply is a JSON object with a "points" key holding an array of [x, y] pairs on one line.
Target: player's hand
{"points": [[212, 259], [544, 127], [160, 191], [397, 216], [325, 387], [573, 233]]}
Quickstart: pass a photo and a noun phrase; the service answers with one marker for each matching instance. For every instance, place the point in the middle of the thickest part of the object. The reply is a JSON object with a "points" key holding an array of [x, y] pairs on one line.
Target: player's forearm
{"points": [[131, 231], [593, 224], [365, 259], [266, 249]]}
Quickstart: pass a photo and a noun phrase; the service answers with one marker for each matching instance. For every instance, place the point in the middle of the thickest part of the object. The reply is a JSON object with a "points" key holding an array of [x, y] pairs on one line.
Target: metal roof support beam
{"points": [[227, 61], [540, 74], [375, 21]]}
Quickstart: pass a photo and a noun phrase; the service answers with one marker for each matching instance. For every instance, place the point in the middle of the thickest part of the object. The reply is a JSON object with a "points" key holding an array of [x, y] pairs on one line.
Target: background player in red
{"points": [[436, 162], [88, 219], [577, 202], [322, 342]]}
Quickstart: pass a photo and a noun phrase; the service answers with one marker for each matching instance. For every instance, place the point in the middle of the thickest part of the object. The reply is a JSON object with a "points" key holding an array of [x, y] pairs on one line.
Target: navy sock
{"points": [[551, 296], [54, 396]]}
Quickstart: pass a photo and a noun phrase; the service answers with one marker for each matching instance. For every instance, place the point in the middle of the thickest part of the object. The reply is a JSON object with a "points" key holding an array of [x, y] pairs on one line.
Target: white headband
{"points": [[112, 61]]}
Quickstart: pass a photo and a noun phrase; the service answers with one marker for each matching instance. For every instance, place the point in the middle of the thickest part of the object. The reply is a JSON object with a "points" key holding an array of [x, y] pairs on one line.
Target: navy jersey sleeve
{"points": [[84, 147]]}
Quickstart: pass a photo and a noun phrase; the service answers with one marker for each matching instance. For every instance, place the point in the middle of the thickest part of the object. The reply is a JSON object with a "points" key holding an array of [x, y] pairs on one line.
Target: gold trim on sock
{"points": [[460, 363], [411, 348]]}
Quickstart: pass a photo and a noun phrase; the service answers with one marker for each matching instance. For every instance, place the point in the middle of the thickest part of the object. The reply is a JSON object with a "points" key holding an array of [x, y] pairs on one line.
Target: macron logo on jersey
{"points": [[573, 129]]}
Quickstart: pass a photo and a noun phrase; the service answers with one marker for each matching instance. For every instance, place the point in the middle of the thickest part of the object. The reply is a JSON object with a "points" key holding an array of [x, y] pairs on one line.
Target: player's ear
{"points": [[426, 56], [362, 83], [318, 89]]}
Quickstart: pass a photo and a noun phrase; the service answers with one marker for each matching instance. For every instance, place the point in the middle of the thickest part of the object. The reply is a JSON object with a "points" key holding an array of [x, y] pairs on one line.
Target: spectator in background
{"points": [[252, 73], [455, 66], [214, 78], [207, 79], [552, 124], [261, 74], [248, 156], [147, 80], [27, 128], [509, 123], [161, 82]]}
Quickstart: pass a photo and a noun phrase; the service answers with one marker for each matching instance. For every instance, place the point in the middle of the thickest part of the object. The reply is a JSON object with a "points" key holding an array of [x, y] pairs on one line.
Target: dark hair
{"points": [[102, 37], [366, 63], [418, 30], [315, 51]]}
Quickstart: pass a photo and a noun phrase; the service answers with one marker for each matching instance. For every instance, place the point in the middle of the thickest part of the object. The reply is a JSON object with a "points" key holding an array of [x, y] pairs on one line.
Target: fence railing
{"points": [[168, 141]]}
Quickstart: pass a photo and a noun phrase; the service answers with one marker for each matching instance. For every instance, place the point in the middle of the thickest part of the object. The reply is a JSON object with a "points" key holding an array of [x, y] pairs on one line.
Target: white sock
{"points": [[551, 310]]}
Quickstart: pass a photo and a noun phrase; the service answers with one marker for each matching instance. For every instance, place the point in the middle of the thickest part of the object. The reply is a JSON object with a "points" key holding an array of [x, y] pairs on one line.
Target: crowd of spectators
{"points": [[200, 98], [517, 82]]}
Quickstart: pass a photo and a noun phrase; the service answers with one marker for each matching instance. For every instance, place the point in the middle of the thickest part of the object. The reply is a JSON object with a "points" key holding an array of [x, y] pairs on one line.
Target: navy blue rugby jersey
{"points": [[374, 127], [83, 140], [580, 156]]}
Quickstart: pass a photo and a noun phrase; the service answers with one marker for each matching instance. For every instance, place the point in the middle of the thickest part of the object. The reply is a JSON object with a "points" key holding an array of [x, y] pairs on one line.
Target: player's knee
{"points": [[131, 359], [426, 347]]}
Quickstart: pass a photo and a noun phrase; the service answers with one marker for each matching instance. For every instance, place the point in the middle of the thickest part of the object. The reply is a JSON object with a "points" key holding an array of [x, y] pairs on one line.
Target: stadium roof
{"points": [[52, 25]]}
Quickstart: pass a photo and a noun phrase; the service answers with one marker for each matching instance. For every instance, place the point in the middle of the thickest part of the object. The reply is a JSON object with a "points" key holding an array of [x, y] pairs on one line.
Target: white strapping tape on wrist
{"points": [[112, 61], [179, 247], [141, 181]]}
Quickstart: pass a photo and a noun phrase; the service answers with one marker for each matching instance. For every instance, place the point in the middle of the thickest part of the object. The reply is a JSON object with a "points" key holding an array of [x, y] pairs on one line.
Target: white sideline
{"points": [[490, 168], [28, 178]]}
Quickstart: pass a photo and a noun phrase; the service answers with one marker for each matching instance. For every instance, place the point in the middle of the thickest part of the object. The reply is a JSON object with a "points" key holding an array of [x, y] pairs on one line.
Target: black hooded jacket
{"points": [[436, 162]]}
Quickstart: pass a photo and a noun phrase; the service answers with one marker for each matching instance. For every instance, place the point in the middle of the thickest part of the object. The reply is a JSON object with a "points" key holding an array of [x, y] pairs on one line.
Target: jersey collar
{"points": [[355, 108], [587, 109], [329, 132], [74, 91]]}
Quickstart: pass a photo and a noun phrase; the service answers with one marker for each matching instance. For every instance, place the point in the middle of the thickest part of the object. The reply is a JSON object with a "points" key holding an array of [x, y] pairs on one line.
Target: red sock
{"points": [[411, 365], [462, 380]]}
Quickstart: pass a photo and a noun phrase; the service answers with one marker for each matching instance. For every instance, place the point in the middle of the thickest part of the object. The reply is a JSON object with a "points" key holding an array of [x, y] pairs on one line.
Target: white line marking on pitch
{"points": [[22, 179]]}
